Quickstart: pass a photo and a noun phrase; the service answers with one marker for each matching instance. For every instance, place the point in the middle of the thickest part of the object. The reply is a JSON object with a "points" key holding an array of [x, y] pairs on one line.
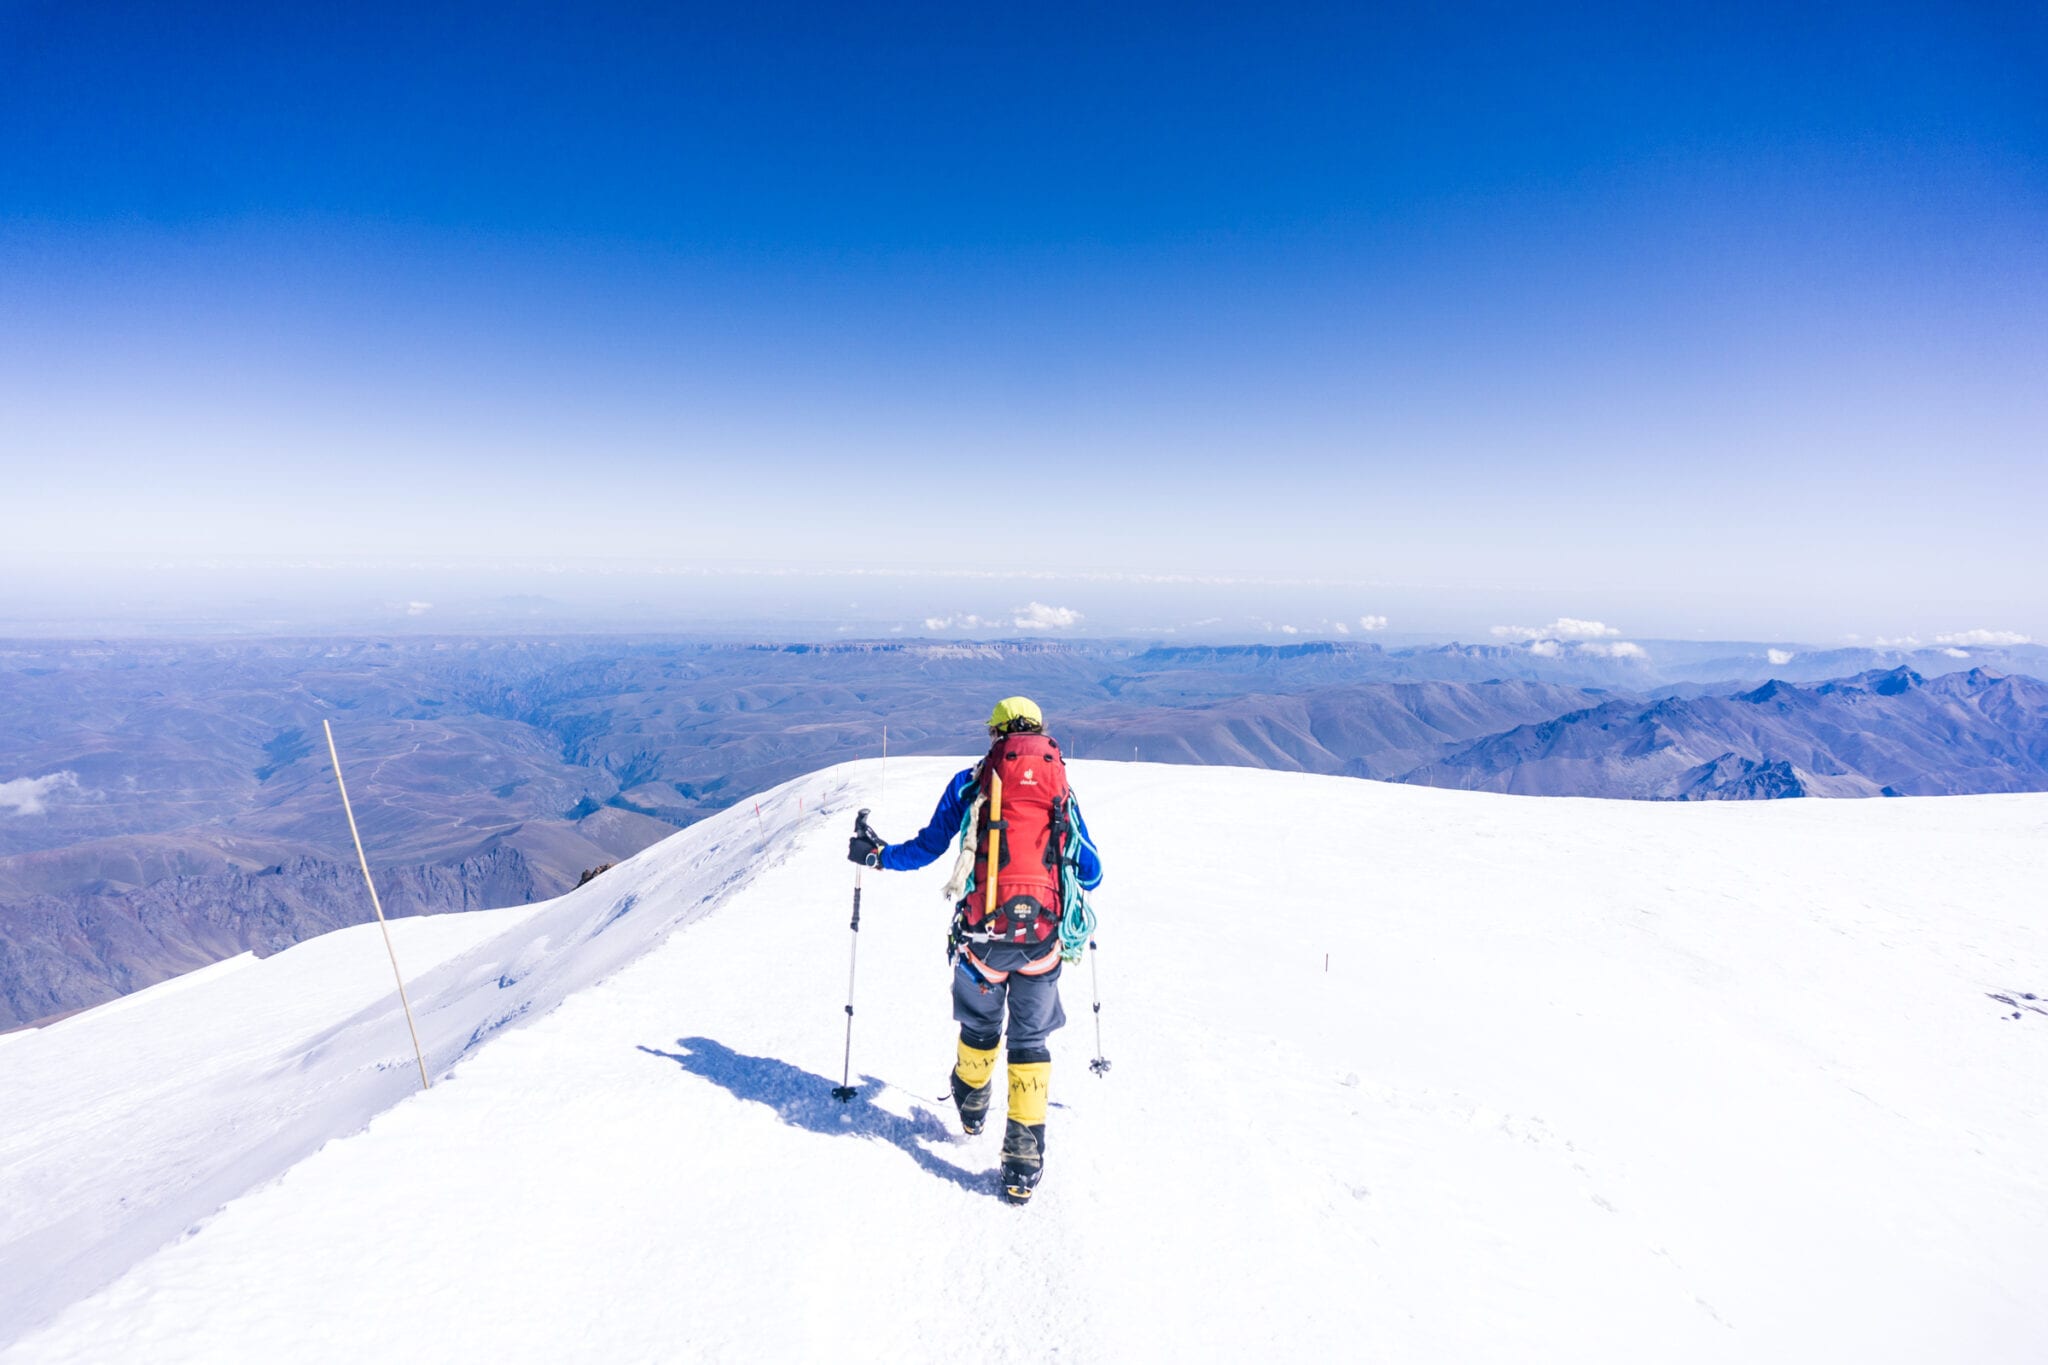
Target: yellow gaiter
{"points": [[975, 1066], [1030, 1089]]}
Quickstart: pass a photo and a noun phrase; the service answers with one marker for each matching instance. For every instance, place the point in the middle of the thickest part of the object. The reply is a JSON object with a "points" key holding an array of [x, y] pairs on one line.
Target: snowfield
{"points": [[1581, 1080]]}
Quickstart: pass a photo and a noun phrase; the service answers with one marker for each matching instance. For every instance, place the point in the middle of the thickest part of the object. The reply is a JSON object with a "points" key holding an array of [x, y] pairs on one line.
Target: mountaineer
{"points": [[1013, 814]]}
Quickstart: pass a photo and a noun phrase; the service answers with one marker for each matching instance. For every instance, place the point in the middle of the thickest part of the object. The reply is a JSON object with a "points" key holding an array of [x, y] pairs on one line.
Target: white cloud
{"points": [[1563, 628], [1372, 623], [1545, 649], [1340, 627], [418, 608], [1038, 616], [1957, 653], [1780, 656], [967, 622], [1621, 649], [1982, 637], [29, 795], [1898, 642]]}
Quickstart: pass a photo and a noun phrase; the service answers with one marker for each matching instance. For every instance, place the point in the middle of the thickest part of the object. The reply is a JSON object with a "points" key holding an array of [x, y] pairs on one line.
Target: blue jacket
{"points": [[936, 837]]}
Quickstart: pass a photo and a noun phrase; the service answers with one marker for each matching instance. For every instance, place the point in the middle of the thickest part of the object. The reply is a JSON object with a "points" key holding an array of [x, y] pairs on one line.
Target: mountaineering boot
{"points": [[1024, 1133], [1023, 1159], [973, 1085]]}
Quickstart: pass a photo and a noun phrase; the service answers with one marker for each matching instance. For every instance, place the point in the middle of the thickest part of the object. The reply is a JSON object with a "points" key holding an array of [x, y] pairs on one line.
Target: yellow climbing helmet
{"points": [[1015, 713]]}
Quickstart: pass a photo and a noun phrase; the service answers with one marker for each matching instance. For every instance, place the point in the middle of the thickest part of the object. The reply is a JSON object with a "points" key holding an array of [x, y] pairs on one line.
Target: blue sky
{"points": [[1707, 319]]}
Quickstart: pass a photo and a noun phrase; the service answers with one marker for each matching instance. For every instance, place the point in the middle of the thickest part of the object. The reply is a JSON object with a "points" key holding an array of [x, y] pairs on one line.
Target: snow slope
{"points": [[126, 1124], [1582, 1080]]}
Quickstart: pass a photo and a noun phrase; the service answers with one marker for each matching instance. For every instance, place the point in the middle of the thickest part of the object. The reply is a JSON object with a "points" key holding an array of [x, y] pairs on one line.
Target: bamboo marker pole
{"points": [[884, 797], [378, 906]]}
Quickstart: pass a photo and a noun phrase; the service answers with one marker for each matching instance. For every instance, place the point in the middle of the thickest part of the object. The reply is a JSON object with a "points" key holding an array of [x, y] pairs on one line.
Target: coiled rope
{"points": [[1077, 916]]}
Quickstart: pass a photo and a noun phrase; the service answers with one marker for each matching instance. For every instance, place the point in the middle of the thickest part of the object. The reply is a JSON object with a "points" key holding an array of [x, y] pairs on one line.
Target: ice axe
{"points": [[844, 1091]]}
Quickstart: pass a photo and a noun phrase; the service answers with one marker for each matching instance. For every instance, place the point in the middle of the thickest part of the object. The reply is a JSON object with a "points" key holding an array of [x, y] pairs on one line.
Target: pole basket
{"points": [[1100, 1066]]}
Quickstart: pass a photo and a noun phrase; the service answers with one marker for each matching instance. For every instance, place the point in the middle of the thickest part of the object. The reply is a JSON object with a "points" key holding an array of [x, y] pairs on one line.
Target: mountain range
{"points": [[144, 787], [1891, 733]]}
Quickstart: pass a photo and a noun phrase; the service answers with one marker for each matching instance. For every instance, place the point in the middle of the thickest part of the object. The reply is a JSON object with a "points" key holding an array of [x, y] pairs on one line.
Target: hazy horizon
{"points": [[535, 596]]}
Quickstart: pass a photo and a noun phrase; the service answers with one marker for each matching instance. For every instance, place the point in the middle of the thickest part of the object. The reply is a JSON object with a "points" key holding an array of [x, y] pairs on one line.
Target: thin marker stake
{"points": [[378, 906], [884, 797]]}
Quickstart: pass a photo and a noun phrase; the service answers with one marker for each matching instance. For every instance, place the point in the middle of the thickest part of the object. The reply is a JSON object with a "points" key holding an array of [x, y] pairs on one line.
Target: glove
{"points": [[865, 849]]}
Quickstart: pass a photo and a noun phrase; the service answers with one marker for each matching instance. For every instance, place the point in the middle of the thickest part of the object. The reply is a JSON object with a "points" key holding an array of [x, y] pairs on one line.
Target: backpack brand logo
{"points": [[1030, 778]]}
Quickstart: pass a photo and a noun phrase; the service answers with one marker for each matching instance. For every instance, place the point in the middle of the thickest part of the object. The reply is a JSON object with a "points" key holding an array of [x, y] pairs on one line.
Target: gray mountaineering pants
{"points": [[1034, 1009]]}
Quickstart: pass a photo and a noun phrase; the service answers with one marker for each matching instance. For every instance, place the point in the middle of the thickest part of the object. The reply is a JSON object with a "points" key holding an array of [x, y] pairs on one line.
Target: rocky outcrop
{"points": [[1729, 778]]}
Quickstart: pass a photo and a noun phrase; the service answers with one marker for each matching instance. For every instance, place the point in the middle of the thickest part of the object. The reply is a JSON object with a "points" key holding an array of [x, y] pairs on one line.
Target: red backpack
{"points": [[1033, 826]]}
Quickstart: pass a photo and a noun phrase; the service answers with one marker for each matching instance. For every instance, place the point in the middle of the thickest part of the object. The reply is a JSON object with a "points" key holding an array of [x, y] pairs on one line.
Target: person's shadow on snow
{"points": [[803, 1099]]}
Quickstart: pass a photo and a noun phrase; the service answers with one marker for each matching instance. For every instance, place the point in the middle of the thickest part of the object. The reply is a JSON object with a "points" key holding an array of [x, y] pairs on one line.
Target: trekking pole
{"points": [[1100, 1066], [844, 1090]]}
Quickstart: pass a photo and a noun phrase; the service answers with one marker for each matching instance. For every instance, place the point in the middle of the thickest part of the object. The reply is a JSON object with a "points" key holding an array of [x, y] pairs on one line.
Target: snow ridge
{"points": [[228, 1093]]}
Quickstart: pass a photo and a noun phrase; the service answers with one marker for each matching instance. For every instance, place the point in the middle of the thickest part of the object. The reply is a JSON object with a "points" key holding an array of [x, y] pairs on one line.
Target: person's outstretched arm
{"points": [[936, 837]]}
